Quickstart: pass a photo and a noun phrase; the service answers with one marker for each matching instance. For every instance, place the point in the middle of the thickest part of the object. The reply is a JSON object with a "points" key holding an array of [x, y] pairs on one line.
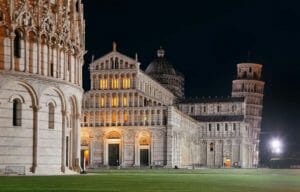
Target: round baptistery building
{"points": [[41, 58]]}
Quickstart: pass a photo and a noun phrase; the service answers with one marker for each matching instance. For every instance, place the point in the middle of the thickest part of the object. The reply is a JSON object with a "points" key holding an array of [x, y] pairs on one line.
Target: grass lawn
{"points": [[206, 180]]}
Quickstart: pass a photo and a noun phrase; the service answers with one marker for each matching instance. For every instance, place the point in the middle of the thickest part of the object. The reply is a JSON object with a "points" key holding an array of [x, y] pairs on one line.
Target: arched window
{"points": [[116, 63], [51, 70], [17, 112], [192, 109], [51, 116], [211, 146], [17, 45], [1, 16]]}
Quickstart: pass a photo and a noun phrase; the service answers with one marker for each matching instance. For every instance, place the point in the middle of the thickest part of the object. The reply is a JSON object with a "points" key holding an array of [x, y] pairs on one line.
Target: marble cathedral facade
{"points": [[134, 118]]}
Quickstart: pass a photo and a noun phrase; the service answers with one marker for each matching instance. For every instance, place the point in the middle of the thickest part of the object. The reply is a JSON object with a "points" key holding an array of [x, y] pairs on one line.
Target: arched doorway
{"points": [[144, 143], [113, 148], [142, 149]]}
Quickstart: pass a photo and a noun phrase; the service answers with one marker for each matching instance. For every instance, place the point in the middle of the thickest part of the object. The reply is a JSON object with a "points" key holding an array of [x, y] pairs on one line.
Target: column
{"points": [[65, 63], [94, 101], [149, 117], [12, 57], [35, 109], [38, 62], [49, 58], [161, 117], [63, 142], [76, 143]]}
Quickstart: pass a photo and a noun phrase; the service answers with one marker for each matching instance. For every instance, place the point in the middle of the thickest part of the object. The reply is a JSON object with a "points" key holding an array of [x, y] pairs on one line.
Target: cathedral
{"points": [[41, 57], [129, 117], [135, 118]]}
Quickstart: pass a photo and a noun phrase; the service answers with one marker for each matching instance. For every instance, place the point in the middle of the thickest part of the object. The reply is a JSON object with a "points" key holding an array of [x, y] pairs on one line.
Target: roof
{"points": [[212, 100], [160, 65], [218, 118]]}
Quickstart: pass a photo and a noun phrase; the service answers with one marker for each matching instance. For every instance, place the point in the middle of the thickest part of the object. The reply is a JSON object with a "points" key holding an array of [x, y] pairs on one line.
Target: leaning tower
{"points": [[41, 56], [250, 86]]}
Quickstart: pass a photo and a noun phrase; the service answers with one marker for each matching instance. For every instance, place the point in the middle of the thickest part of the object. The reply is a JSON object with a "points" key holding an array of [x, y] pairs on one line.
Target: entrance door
{"points": [[144, 157], [113, 154], [228, 163]]}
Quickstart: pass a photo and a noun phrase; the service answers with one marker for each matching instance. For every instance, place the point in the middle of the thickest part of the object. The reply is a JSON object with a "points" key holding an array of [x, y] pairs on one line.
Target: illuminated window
{"points": [[115, 101], [125, 101], [103, 84], [125, 117], [102, 101], [126, 83], [114, 117], [115, 84]]}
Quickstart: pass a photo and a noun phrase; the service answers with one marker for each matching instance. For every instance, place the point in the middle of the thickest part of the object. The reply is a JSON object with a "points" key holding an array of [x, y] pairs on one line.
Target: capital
{"points": [[35, 108]]}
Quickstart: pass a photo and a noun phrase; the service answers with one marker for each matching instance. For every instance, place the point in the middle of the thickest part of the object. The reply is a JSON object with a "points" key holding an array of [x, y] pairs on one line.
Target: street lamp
{"points": [[276, 146]]}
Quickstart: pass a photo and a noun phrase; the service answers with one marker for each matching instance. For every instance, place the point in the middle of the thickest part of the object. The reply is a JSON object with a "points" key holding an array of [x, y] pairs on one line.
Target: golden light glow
{"points": [[115, 84], [125, 101], [144, 141], [126, 83], [125, 117], [86, 155], [103, 83], [102, 101], [227, 163], [115, 101], [114, 117]]}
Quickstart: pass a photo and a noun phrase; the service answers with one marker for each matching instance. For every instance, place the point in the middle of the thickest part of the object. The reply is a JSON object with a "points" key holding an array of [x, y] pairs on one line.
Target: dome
{"points": [[160, 65]]}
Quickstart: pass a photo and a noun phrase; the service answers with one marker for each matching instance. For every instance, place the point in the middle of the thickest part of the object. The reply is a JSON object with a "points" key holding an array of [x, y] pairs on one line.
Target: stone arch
{"points": [[44, 38], [143, 148], [16, 96], [51, 101], [113, 147], [61, 95], [31, 91]]}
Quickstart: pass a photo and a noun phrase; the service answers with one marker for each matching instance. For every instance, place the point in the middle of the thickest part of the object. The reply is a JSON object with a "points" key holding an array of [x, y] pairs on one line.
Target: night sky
{"points": [[205, 40]]}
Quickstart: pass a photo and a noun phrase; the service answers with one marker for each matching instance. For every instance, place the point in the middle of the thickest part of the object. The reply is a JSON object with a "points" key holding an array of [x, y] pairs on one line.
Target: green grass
{"points": [[206, 180]]}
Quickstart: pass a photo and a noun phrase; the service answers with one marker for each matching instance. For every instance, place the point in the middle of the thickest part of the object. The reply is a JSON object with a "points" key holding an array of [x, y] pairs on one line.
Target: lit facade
{"points": [[132, 118], [41, 56]]}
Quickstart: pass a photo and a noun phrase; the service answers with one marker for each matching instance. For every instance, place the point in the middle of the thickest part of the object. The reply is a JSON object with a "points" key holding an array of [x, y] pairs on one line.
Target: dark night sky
{"points": [[205, 40]]}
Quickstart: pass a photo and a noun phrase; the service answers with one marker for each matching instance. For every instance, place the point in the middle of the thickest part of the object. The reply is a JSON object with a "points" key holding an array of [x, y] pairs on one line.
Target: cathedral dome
{"points": [[160, 65]]}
